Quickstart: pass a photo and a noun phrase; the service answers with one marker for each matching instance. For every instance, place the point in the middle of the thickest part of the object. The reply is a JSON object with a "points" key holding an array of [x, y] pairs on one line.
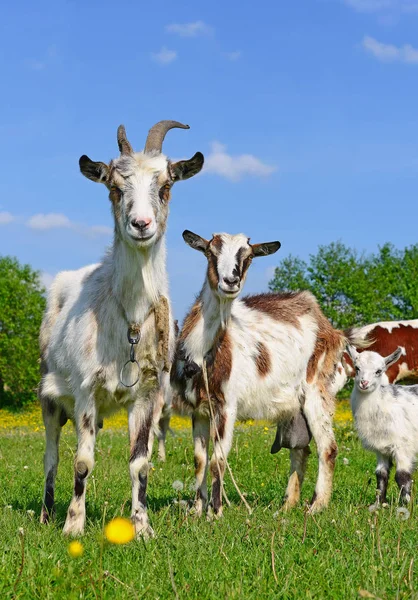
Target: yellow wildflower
{"points": [[75, 549], [120, 531]]}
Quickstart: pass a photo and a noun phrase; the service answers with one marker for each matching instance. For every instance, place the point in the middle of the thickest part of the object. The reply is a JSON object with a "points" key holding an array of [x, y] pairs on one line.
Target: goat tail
{"points": [[357, 337]]}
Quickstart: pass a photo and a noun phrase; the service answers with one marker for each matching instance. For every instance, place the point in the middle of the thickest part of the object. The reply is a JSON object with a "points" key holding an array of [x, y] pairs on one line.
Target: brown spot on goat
{"points": [[286, 307], [191, 320], [331, 454], [219, 366], [262, 360]]}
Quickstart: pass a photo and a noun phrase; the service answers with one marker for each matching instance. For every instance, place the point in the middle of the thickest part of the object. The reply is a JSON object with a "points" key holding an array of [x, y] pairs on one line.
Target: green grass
{"points": [[334, 555]]}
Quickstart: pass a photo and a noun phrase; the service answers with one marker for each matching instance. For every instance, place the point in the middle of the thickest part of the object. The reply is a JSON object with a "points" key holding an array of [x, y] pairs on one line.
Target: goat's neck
{"points": [[138, 277], [216, 313]]}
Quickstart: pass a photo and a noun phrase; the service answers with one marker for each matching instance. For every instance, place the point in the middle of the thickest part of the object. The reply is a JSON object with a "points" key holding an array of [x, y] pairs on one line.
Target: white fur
{"points": [[84, 337], [386, 416], [277, 395]]}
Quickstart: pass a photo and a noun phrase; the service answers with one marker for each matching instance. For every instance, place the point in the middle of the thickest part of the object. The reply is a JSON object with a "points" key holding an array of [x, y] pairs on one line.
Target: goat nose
{"points": [[231, 280], [364, 383], [141, 224]]}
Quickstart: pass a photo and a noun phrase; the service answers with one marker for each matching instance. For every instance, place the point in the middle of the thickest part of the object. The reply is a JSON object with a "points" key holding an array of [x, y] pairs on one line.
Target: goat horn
{"points": [[124, 146], [157, 134]]}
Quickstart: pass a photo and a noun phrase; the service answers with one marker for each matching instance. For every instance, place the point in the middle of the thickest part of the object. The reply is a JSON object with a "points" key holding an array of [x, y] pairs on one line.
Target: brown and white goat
{"points": [[83, 340], [267, 356], [384, 338]]}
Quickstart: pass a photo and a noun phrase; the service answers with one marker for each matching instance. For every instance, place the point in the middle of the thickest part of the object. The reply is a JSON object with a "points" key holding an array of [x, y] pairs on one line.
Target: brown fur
{"points": [[162, 322], [286, 307], [263, 360], [219, 366], [191, 319], [329, 345], [385, 342]]}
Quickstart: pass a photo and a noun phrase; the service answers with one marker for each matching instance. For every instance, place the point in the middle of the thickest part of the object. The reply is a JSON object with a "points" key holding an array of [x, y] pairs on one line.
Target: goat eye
{"points": [[379, 372], [164, 193], [357, 370]]}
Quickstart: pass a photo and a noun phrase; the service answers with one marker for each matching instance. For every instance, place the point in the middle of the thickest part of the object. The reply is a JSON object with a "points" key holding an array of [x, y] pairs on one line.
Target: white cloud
{"points": [[6, 217], [47, 279], [389, 52], [189, 29], [234, 167], [233, 55], [164, 56], [43, 222], [49, 221], [375, 6]]}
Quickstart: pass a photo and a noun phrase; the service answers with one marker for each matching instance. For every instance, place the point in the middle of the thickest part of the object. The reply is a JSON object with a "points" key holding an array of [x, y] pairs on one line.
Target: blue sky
{"points": [[306, 112]]}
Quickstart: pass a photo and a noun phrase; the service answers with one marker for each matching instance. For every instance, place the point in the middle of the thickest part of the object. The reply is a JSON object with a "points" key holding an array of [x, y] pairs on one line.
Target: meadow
{"points": [[345, 552]]}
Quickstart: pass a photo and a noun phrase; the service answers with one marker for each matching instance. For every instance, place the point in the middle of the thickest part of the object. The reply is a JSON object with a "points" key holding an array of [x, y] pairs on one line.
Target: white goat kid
{"points": [[267, 356], [386, 418], [84, 345]]}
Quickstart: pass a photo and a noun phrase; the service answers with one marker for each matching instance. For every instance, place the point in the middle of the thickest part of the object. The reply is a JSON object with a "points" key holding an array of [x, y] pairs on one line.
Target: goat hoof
{"points": [[317, 506], [211, 515], [46, 517], [198, 508], [145, 532], [73, 529]]}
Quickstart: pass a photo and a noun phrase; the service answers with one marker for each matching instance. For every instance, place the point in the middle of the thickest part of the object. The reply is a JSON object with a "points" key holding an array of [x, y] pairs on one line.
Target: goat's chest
{"points": [[375, 424]]}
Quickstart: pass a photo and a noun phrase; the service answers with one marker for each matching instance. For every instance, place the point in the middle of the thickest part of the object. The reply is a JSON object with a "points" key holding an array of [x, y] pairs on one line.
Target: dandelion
{"points": [[276, 514], [374, 508], [182, 503], [262, 485], [26, 467], [345, 461], [31, 513], [119, 531], [75, 549], [21, 531], [402, 513], [9, 507], [178, 486], [266, 428]]}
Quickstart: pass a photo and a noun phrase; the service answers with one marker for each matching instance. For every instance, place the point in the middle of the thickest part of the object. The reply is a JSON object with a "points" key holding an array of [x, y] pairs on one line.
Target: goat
{"points": [[384, 338], [266, 355], [386, 419], [86, 373]]}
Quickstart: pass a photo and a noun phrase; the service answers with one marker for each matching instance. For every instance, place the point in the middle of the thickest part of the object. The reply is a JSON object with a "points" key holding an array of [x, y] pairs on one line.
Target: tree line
{"points": [[351, 288]]}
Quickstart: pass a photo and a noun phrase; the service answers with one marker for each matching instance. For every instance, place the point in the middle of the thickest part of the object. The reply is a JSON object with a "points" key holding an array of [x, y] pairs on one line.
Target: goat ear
{"points": [[392, 358], [184, 169], [266, 248], [96, 171], [352, 353], [195, 241]]}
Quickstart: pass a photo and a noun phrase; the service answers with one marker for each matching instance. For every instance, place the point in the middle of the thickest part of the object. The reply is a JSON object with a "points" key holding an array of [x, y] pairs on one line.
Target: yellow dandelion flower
{"points": [[120, 531], [75, 549], [262, 485], [266, 428]]}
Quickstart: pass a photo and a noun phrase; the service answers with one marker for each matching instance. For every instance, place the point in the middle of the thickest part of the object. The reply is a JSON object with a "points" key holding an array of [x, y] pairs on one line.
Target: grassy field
{"points": [[346, 552]]}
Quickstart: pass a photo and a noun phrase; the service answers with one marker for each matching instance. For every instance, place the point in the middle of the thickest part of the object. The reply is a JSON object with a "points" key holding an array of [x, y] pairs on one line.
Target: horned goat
{"points": [[107, 336]]}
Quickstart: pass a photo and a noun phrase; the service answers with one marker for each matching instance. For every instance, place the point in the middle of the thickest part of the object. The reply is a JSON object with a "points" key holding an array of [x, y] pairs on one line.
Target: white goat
{"points": [[266, 355], [88, 366], [386, 418]]}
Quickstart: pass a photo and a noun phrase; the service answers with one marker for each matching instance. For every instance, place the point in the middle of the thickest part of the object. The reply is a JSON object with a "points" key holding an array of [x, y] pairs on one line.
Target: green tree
{"points": [[352, 288], [22, 303]]}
